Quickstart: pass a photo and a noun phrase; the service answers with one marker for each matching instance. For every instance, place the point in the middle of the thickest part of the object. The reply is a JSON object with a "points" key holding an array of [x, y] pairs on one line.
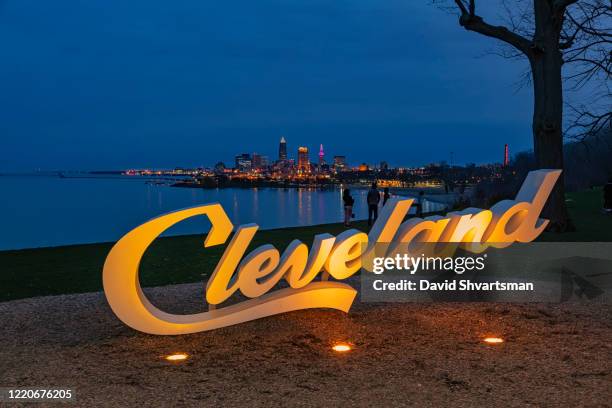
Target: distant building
{"points": [[243, 162], [384, 165], [339, 162], [282, 150], [258, 161], [303, 161], [363, 167], [506, 156], [219, 167]]}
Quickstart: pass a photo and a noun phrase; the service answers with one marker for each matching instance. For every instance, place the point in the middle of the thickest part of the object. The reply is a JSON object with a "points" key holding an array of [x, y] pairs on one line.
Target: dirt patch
{"points": [[404, 354]]}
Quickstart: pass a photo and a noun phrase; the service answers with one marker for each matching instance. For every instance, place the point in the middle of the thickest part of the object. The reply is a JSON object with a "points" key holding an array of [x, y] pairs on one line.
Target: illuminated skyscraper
{"points": [[321, 156], [282, 150], [339, 162], [303, 161]]}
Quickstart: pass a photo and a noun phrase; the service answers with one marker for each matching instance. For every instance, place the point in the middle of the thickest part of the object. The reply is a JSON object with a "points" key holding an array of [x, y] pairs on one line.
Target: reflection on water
{"points": [[50, 211]]}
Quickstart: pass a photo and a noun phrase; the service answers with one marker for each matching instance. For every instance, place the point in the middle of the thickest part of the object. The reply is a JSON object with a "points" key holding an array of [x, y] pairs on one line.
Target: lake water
{"points": [[40, 211]]}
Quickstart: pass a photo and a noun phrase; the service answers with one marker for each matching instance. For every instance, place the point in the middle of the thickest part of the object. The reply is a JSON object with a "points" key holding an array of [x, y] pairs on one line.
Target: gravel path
{"points": [[405, 354]]}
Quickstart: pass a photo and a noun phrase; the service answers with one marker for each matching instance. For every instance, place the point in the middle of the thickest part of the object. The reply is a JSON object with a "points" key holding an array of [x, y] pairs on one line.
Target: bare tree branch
{"points": [[559, 6], [472, 22], [587, 51], [587, 124]]}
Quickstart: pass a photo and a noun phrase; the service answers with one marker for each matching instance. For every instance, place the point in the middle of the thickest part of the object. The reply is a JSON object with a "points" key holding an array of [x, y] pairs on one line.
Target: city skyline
{"points": [[258, 160], [246, 161]]}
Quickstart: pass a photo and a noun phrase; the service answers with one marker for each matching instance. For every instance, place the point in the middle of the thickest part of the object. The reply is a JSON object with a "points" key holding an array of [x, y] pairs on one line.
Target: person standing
{"points": [[348, 207], [420, 201], [607, 196], [373, 200], [386, 196]]}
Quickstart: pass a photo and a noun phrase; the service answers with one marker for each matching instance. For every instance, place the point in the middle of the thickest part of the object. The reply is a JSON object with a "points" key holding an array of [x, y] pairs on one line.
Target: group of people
{"points": [[373, 201]]}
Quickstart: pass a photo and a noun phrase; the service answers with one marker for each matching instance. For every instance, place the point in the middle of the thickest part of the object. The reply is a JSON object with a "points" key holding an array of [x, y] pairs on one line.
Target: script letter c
{"points": [[120, 274]]}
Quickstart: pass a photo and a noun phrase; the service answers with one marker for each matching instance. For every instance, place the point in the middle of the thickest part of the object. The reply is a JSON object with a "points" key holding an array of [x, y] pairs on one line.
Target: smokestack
{"points": [[506, 158]]}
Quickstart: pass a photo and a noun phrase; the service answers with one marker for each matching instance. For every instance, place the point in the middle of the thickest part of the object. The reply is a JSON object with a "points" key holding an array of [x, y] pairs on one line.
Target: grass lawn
{"points": [[592, 225], [78, 268]]}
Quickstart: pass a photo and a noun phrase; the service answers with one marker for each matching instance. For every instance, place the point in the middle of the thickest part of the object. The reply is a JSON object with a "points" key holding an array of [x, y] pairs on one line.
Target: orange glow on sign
{"points": [[342, 347], [177, 357], [256, 273], [493, 340]]}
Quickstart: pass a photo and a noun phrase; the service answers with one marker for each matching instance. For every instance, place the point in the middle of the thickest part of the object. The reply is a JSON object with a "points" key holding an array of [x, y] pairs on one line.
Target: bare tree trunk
{"points": [[546, 61]]}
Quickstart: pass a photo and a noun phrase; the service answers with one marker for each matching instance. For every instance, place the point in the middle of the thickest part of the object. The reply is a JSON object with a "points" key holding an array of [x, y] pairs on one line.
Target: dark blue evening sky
{"points": [[106, 84]]}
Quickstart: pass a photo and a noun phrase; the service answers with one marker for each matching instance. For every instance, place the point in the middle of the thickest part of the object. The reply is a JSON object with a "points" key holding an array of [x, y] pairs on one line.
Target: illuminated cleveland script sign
{"points": [[255, 274]]}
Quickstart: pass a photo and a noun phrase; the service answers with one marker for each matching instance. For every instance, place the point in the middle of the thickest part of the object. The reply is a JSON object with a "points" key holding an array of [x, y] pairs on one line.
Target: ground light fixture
{"points": [[493, 340], [342, 347], [177, 357]]}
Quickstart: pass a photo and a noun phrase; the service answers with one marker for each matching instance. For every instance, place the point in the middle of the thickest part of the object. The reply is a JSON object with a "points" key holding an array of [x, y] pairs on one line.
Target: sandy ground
{"points": [[405, 354]]}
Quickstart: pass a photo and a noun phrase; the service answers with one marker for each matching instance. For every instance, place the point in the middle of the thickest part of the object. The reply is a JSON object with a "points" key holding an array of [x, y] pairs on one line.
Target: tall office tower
{"points": [[282, 150], [506, 158], [321, 156], [303, 161]]}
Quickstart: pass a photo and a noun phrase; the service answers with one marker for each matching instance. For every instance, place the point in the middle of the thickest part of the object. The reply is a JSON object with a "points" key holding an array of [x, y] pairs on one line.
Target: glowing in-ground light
{"points": [[177, 357], [342, 347]]}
